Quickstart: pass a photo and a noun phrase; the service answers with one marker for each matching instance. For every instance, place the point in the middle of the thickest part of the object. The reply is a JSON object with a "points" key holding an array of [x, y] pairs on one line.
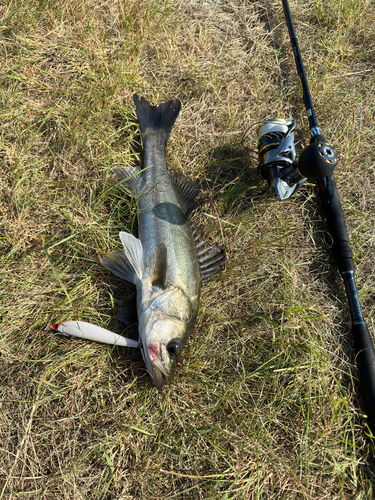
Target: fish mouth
{"points": [[152, 355]]}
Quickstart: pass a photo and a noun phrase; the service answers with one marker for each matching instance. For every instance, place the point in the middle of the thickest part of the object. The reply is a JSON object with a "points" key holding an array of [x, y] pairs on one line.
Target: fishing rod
{"points": [[317, 161]]}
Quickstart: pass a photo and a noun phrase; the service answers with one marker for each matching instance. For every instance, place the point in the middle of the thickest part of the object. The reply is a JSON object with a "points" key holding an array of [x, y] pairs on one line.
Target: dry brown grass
{"points": [[265, 402]]}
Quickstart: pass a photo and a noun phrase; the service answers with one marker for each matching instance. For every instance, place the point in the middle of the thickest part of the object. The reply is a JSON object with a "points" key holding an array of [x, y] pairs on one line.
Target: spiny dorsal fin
{"points": [[157, 266], [211, 259], [188, 191]]}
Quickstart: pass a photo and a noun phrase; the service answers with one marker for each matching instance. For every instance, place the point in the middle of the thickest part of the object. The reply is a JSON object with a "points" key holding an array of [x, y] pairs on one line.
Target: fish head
{"points": [[164, 327]]}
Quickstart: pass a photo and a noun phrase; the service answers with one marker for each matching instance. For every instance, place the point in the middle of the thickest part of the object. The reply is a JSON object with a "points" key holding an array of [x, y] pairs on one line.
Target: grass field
{"points": [[265, 402]]}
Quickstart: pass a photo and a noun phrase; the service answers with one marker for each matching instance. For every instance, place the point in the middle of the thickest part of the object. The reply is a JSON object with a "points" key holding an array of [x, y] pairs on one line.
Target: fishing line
{"points": [[281, 81], [277, 59]]}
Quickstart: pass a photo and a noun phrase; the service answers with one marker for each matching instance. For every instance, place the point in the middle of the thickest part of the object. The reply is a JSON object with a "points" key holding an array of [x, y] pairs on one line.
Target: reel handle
{"points": [[315, 168]]}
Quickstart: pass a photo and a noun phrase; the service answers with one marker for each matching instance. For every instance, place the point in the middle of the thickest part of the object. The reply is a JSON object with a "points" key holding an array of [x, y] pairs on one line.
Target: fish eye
{"points": [[173, 349]]}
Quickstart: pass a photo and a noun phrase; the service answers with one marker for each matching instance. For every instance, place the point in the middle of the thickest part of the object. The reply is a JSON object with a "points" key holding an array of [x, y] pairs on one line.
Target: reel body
{"points": [[277, 158]]}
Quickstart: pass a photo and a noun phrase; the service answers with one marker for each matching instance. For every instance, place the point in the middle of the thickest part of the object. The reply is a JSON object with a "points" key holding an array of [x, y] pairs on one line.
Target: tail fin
{"points": [[159, 118]]}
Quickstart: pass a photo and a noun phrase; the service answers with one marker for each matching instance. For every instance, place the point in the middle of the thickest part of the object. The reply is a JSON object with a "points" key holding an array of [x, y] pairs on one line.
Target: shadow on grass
{"points": [[231, 177]]}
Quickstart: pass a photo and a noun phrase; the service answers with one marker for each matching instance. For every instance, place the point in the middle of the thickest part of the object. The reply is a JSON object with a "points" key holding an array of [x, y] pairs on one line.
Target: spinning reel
{"points": [[277, 164], [277, 157]]}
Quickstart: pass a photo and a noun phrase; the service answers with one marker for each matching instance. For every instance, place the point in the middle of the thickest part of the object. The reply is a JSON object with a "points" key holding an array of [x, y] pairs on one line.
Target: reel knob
{"points": [[317, 160]]}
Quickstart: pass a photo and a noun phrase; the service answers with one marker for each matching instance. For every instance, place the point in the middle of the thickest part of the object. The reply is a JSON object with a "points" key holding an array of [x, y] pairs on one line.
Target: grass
{"points": [[265, 403]]}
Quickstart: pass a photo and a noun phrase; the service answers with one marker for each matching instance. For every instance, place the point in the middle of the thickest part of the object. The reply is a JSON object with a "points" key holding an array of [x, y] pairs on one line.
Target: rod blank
{"points": [[363, 345]]}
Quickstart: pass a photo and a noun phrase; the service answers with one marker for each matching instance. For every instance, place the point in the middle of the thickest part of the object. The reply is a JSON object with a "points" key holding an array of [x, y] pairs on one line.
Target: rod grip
{"points": [[336, 223], [365, 359]]}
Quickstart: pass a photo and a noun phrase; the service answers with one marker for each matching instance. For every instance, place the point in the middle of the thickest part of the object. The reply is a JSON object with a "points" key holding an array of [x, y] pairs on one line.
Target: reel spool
{"points": [[277, 157]]}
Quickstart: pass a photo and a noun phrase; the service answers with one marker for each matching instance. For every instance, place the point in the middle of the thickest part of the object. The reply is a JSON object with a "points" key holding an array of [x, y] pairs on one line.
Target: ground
{"points": [[265, 402]]}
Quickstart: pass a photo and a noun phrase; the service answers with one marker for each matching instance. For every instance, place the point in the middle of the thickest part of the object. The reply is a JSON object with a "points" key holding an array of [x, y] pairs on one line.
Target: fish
{"points": [[169, 261]]}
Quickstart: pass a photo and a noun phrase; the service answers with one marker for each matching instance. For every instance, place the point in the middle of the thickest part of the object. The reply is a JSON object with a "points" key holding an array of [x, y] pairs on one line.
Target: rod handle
{"points": [[365, 359], [336, 223]]}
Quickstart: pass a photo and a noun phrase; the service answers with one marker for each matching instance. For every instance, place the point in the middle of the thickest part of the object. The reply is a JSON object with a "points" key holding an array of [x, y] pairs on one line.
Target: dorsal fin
{"points": [[211, 259], [187, 189]]}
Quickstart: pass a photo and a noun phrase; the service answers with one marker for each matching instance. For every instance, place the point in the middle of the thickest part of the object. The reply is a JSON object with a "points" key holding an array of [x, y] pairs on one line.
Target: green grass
{"points": [[265, 403]]}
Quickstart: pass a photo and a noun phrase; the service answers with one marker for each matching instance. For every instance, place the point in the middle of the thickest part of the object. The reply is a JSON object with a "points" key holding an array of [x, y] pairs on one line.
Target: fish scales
{"points": [[161, 220]]}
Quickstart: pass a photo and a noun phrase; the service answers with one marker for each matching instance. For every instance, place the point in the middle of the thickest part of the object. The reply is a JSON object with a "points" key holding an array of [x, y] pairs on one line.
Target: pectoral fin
{"points": [[157, 266]]}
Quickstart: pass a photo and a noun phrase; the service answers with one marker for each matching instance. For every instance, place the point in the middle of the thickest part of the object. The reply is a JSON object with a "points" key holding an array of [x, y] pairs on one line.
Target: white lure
{"points": [[89, 331]]}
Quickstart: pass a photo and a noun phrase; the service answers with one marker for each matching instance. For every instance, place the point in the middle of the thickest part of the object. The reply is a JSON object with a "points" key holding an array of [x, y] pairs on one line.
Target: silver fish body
{"points": [[169, 261], [163, 221]]}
